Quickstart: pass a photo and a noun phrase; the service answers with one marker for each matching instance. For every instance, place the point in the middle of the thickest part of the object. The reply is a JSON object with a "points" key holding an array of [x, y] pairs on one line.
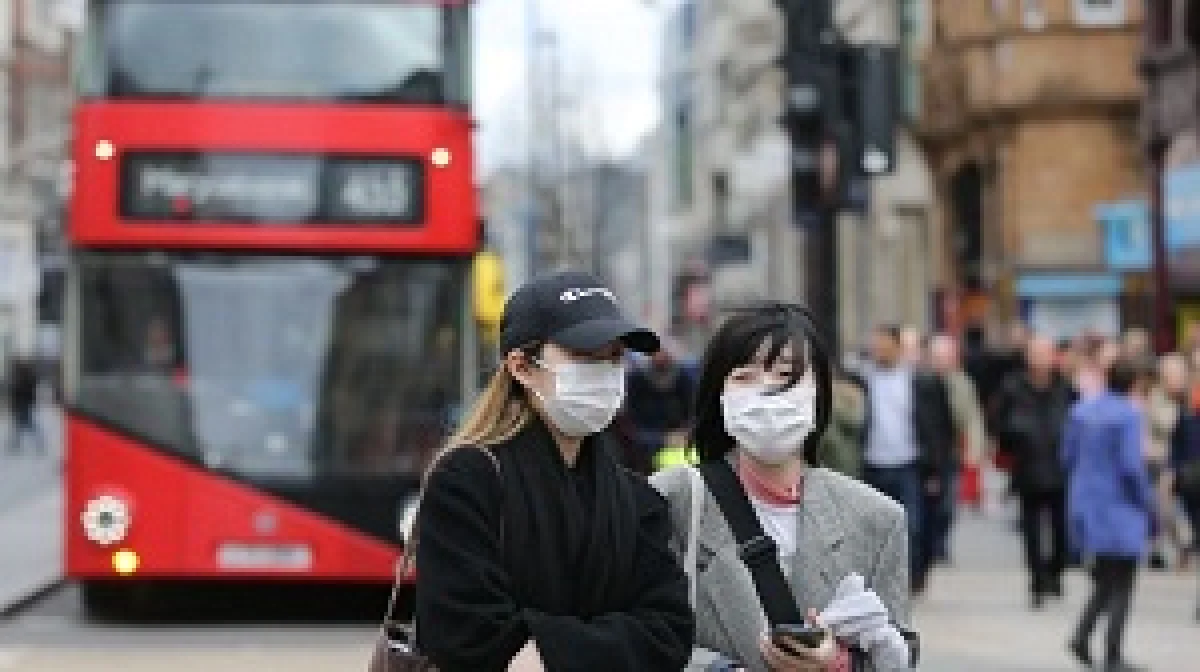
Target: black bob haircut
{"points": [[735, 344]]}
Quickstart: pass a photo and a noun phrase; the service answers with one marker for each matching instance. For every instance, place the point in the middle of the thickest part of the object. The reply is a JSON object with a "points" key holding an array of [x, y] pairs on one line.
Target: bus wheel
{"points": [[107, 600]]}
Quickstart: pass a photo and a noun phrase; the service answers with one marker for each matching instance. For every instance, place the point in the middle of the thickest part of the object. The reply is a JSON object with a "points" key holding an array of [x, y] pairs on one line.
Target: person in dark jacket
{"points": [[659, 404], [1185, 456], [908, 442], [535, 549], [22, 400], [1027, 419], [1110, 506]]}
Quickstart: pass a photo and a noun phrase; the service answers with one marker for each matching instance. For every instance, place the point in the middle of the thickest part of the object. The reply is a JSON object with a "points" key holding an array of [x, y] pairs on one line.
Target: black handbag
{"points": [[396, 648], [757, 550], [396, 651]]}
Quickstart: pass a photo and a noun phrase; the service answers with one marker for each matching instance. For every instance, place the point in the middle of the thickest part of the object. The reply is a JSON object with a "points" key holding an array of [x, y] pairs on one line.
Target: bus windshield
{"points": [[273, 369], [304, 50]]}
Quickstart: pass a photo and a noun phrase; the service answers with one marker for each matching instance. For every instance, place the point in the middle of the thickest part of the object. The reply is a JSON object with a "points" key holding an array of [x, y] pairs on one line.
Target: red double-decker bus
{"points": [[272, 222]]}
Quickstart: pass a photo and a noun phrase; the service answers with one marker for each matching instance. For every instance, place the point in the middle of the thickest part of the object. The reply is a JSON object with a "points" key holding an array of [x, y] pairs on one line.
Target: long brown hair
{"points": [[499, 414]]}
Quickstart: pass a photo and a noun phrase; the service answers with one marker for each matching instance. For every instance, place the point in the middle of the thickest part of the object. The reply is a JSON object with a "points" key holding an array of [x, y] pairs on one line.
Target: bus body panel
{"points": [[449, 224], [183, 517]]}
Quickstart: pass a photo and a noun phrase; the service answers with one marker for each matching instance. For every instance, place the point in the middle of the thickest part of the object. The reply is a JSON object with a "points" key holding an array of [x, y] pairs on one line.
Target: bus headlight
{"points": [[105, 150], [106, 520], [125, 562]]}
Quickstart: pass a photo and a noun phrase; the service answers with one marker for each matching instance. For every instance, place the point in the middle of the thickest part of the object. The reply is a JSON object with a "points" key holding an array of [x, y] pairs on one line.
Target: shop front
{"points": [[1064, 305]]}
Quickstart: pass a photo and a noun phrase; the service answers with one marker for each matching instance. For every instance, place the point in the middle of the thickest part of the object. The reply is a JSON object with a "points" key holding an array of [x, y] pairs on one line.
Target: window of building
{"points": [[688, 24], [1033, 14], [912, 38], [683, 158], [1100, 12], [40, 26], [1191, 25], [1159, 22], [912, 21], [720, 191]]}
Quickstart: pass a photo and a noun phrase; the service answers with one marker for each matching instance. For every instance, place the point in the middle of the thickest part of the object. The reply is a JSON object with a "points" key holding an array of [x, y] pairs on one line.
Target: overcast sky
{"points": [[610, 54]]}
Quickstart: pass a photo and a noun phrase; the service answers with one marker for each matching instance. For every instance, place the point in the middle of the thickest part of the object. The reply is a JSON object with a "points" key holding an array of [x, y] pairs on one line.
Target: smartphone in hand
{"points": [[787, 637]]}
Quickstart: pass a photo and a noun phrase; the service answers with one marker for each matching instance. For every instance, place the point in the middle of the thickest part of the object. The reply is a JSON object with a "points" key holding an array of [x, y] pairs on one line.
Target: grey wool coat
{"points": [[845, 527]]}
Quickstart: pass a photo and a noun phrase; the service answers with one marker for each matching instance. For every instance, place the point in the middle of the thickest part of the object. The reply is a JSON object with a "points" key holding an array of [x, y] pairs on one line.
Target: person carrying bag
{"points": [[792, 567], [536, 549]]}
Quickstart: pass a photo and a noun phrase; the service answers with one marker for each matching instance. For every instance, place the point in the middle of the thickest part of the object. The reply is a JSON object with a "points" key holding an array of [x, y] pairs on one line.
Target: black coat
{"points": [[574, 558], [23, 386], [1028, 423]]}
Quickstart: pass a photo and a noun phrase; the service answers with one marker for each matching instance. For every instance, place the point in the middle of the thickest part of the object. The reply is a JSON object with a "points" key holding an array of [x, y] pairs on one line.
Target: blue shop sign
{"points": [[1127, 243], [1182, 199]]}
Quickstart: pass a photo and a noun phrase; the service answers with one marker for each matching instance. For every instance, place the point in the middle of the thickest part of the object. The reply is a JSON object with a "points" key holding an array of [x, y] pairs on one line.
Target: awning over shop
{"points": [[1068, 285]]}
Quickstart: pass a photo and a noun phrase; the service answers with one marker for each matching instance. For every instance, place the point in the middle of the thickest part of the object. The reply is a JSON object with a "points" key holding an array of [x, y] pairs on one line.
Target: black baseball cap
{"points": [[572, 309]]}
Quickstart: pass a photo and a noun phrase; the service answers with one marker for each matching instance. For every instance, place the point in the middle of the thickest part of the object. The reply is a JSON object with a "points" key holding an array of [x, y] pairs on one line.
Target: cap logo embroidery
{"points": [[573, 295]]}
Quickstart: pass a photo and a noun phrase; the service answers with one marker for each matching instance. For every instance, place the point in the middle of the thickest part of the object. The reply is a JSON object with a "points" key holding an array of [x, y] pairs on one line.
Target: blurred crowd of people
{"points": [[919, 415]]}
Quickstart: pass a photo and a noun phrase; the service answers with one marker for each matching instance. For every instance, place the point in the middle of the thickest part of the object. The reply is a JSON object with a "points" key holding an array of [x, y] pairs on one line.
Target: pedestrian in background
{"points": [[1191, 343], [1096, 353], [909, 440], [840, 448], [763, 399], [659, 406], [1184, 474], [1135, 346], [1110, 506], [535, 549], [1027, 420], [22, 404], [970, 434], [1067, 358], [912, 346], [1165, 405]]}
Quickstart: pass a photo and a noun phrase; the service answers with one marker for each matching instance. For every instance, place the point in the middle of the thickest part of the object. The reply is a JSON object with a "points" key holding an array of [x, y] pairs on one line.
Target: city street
{"points": [[975, 618], [274, 253]]}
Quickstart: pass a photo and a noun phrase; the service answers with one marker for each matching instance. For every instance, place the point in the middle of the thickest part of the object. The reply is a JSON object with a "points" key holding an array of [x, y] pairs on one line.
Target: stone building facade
{"points": [[1029, 119]]}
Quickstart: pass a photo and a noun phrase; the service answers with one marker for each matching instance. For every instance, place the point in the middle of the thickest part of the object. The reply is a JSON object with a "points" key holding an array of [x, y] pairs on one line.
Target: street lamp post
{"points": [[1163, 327]]}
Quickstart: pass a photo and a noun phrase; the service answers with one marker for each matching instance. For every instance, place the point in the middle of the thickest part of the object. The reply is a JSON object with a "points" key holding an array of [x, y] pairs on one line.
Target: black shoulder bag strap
{"points": [[755, 548]]}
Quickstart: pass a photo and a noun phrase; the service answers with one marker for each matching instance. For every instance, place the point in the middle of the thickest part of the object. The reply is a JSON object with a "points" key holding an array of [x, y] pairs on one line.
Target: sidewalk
{"points": [[31, 513], [31, 559], [976, 615]]}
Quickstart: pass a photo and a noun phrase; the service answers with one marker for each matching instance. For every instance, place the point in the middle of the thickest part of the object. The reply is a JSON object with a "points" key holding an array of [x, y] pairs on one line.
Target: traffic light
{"points": [[813, 108], [870, 76]]}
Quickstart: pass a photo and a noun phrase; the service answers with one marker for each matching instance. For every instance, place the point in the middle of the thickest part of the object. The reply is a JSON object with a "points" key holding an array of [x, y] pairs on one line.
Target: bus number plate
{"points": [[292, 557]]}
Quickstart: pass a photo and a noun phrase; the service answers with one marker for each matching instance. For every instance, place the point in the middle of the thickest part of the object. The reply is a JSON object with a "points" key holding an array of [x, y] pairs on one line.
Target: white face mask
{"points": [[586, 396], [771, 427]]}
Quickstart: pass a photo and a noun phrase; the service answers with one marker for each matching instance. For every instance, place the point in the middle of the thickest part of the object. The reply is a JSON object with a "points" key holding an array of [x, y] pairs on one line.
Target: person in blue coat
{"points": [[1110, 506]]}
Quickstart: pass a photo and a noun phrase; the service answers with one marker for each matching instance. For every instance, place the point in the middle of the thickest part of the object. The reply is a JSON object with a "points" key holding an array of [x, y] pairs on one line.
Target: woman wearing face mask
{"points": [[536, 550], [768, 539]]}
